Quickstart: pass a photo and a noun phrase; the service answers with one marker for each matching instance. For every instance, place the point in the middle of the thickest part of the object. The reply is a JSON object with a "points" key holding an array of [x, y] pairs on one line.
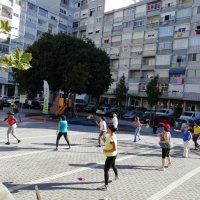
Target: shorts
{"points": [[102, 133], [165, 152]]}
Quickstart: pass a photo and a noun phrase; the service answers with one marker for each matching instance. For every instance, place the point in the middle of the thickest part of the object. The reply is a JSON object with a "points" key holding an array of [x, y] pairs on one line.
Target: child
{"points": [[137, 124], [186, 136], [103, 129], [12, 125]]}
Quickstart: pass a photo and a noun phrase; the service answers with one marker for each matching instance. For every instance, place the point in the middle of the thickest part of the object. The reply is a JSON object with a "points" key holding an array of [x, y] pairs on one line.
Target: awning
{"points": [[177, 71]]}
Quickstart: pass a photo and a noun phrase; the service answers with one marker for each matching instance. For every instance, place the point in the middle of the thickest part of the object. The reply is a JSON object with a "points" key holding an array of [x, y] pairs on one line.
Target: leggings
{"points": [[110, 162], [11, 130], [60, 134], [165, 153]]}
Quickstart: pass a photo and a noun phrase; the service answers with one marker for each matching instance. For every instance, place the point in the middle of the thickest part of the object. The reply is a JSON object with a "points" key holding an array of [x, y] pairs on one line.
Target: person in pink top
{"points": [[12, 125], [137, 125]]}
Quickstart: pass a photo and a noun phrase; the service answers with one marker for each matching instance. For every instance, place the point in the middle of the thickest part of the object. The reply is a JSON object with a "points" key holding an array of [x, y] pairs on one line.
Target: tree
{"points": [[121, 90], [66, 63], [17, 59], [153, 92]]}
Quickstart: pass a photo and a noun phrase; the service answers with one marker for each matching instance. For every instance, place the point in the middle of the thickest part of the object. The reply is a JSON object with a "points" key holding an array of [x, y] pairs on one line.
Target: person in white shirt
{"points": [[115, 121], [103, 129]]}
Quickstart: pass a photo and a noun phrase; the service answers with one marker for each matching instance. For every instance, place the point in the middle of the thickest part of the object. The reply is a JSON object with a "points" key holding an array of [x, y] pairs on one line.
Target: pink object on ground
{"points": [[81, 178]]}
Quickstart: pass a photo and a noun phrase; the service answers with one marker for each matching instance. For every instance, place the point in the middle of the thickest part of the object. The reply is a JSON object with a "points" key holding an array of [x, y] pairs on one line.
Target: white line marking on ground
{"points": [[25, 185], [174, 185]]}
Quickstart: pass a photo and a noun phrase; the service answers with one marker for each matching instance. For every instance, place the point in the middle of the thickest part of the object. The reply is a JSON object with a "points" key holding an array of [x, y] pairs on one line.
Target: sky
{"points": [[114, 4]]}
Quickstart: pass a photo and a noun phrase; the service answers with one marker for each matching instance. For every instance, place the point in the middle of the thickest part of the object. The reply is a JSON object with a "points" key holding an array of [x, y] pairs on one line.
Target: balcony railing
{"points": [[191, 96], [152, 25], [6, 14], [177, 80], [167, 22], [192, 81]]}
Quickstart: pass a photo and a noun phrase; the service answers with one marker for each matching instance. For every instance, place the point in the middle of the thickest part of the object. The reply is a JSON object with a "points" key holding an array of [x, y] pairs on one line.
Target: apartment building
{"points": [[156, 37], [29, 19]]}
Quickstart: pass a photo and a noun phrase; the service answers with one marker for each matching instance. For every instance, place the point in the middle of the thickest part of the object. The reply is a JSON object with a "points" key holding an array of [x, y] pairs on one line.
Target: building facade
{"points": [[154, 37], [147, 38]]}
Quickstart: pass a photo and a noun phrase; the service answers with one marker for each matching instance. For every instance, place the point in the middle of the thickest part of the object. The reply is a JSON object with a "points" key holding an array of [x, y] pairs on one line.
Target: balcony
{"points": [[6, 14], [192, 81], [53, 22], [138, 41], [184, 5], [114, 56], [145, 80], [148, 67], [118, 19], [116, 33], [177, 80], [174, 95], [141, 14], [133, 92], [149, 53], [183, 20], [164, 51], [152, 25], [194, 49], [153, 13], [181, 34], [167, 22], [164, 80], [31, 25], [32, 12], [192, 96], [135, 66], [193, 64], [115, 44], [134, 80], [82, 28], [179, 64], [169, 8], [8, 3]]}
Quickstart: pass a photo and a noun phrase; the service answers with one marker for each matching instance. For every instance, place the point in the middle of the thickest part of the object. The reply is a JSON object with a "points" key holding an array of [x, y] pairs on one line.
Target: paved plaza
{"points": [[34, 162]]}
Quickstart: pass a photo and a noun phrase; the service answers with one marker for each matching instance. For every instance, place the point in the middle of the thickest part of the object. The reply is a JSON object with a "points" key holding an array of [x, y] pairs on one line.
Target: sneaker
{"points": [[162, 169], [98, 145], [56, 149], [19, 141], [103, 187], [7, 143], [116, 178]]}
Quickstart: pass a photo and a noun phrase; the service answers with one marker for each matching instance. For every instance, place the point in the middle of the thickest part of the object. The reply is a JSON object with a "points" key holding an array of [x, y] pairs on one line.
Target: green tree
{"points": [[17, 59], [153, 92], [121, 90], [66, 63]]}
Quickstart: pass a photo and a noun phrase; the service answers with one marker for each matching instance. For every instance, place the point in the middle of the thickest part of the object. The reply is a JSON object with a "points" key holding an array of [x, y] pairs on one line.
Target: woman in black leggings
{"points": [[62, 131], [110, 152]]}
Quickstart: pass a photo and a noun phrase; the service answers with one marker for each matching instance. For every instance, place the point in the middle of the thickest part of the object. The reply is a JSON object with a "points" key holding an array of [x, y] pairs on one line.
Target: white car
{"points": [[165, 111], [103, 110]]}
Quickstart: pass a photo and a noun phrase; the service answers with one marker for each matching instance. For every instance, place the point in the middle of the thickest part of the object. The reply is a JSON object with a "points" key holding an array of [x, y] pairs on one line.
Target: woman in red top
{"points": [[11, 126]]}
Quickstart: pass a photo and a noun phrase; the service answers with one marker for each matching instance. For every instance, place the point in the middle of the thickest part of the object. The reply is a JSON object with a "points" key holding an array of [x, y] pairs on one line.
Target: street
{"points": [[34, 162]]}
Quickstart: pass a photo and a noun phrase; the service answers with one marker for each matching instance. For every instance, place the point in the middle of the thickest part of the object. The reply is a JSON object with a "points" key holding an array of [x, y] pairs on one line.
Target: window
{"points": [[128, 12], [166, 31], [195, 41], [153, 6], [106, 41], [64, 2], [184, 13], [77, 5], [15, 14], [127, 24], [3, 48], [117, 28], [198, 10], [167, 17], [182, 30], [139, 23], [43, 12], [90, 33], [75, 24], [165, 45], [32, 7], [63, 11], [92, 12], [178, 59], [99, 8], [181, 44], [99, 19], [97, 31], [194, 57]]}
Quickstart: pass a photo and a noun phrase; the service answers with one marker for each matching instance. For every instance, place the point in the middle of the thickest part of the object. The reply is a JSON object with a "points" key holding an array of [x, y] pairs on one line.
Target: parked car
{"points": [[6, 101], [165, 111], [193, 115], [140, 109], [145, 117], [91, 108], [132, 114], [80, 104], [179, 123], [165, 119], [103, 110]]}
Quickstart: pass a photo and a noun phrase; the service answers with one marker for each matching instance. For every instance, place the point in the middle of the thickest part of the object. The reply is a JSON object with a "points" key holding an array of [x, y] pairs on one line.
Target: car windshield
{"points": [[181, 121], [188, 114], [162, 111]]}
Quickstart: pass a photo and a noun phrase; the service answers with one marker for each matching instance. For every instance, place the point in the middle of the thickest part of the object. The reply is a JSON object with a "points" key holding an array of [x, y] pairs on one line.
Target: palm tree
{"points": [[4, 27]]}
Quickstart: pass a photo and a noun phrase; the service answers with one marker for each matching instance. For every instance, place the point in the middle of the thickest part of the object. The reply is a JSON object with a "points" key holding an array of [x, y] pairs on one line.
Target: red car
{"points": [[165, 119]]}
